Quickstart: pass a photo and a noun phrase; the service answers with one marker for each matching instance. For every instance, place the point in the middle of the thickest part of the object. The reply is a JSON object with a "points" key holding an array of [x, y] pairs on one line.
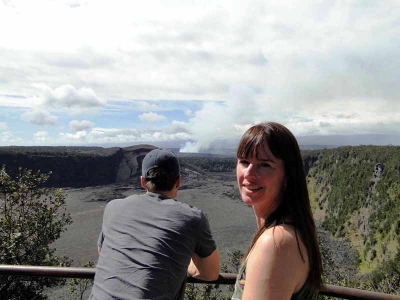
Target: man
{"points": [[149, 243]]}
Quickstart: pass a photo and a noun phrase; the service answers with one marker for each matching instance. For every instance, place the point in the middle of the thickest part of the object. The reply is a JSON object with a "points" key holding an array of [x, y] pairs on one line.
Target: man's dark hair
{"points": [[158, 179]]}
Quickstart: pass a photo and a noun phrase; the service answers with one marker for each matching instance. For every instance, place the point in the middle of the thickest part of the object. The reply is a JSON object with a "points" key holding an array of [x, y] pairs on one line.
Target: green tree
{"points": [[79, 288], [204, 292], [31, 218]]}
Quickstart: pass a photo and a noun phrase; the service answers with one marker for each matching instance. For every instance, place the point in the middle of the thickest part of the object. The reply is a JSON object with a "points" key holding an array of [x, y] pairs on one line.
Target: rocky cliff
{"points": [[77, 166]]}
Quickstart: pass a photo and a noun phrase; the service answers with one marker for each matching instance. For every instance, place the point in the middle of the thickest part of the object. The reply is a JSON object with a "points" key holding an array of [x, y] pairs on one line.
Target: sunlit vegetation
{"points": [[359, 187]]}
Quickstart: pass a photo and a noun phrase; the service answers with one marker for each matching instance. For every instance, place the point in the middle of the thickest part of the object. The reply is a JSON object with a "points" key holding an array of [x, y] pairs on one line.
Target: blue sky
{"points": [[94, 72]]}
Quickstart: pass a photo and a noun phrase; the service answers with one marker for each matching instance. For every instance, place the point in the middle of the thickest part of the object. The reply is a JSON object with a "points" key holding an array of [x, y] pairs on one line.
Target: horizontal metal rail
{"points": [[224, 278]]}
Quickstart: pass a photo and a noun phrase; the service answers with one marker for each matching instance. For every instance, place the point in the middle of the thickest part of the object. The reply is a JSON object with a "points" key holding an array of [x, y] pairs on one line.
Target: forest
{"points": [[355, 192]]}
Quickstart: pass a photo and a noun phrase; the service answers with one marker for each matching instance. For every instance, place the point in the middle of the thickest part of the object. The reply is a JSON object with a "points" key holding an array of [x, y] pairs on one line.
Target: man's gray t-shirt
{"points": [[146, 244]]}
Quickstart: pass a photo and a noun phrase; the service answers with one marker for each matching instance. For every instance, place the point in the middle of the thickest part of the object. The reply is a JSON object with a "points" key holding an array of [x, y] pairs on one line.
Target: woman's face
{"points": [[260, 179]]}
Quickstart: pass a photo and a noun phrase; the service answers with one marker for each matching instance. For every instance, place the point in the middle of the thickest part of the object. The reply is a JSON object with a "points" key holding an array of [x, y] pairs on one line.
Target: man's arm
{"points": [[100, 242], [205, 268]]}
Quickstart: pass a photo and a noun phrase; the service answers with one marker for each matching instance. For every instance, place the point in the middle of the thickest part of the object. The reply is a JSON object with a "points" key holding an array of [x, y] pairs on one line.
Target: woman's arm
{"points": [[275, 269]]}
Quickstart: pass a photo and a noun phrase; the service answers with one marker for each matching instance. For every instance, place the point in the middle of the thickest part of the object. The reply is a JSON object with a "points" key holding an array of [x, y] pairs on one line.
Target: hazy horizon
{"points": [[228, 146]]}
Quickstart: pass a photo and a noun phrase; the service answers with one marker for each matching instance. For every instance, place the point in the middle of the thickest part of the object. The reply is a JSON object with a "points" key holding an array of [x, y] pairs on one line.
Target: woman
{"points": [[283, 261]]}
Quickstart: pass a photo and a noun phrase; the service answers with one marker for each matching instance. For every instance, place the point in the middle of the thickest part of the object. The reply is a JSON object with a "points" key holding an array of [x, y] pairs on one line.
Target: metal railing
{"points": [[224, 278]]}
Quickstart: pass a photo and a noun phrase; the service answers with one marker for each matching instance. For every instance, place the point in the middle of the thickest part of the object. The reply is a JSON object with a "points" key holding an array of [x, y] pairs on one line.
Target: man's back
{"points": [[147, 242]]}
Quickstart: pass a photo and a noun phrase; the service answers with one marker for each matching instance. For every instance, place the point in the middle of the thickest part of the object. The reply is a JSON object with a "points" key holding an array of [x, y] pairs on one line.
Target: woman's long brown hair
{"points": [[295, 203]]}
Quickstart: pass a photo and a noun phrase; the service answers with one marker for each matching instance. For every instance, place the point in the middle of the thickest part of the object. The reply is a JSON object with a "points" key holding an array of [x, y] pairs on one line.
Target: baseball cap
{"points": [[160, 158]]}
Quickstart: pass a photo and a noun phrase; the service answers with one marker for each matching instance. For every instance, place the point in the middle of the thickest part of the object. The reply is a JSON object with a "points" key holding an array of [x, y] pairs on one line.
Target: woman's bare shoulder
{"points": [[276, 254], [280, 237]]}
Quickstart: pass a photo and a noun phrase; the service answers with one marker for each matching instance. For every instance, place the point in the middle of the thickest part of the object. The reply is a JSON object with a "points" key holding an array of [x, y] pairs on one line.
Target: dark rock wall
{"points": [[131, 162], [81, 169]]}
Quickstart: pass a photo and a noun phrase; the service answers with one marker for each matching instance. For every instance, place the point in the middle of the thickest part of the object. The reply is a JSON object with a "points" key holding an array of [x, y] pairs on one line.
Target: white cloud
{"points": [[8, 3], [67, 96], [177, 127], [8, 138], [152, 117], [39, 117], [74, 3], [134, 135], [147, 106], [78, 136], [83, 58], [303, 50], [76, 125], [124, 105], [174, 132], [359, 118], [41, 136], [3, 126], [112, 134]]}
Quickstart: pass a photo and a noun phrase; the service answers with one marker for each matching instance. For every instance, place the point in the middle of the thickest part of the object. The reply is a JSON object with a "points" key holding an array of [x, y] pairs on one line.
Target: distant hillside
{"points": [[209, 163], [356, 194]]}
